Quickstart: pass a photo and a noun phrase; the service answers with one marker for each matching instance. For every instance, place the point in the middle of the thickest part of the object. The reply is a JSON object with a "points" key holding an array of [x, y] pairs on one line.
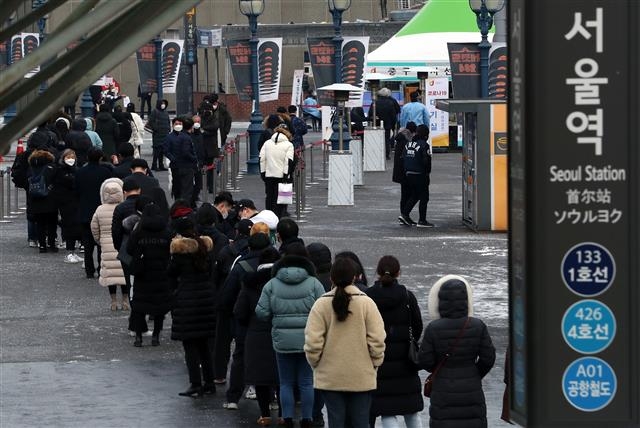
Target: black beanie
{"points": [[259, 241], [320, 256]]}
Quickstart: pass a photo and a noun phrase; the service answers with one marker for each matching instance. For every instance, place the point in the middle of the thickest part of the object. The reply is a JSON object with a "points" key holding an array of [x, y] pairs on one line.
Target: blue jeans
{"points": [[294, 369], [343, 407], [411, 421]]}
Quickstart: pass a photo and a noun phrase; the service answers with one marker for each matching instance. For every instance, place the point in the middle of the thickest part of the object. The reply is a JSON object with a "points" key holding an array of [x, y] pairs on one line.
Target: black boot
{"points": [[209, 388], [195, 390], [288, 422], [138, 342], [305, 423], [155, 339]]}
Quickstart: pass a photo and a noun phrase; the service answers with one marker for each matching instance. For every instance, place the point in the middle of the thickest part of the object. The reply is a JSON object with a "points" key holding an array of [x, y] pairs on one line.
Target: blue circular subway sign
{"points": [[589, 384], [588, 326], [588, 269]]}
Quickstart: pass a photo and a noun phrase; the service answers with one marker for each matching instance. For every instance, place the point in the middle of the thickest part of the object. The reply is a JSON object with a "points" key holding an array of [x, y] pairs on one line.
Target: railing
{"points": [[9, 199]]}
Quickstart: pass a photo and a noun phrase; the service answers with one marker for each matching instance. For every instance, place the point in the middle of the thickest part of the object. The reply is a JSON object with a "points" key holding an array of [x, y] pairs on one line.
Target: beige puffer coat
{"points": [[110, 268]]}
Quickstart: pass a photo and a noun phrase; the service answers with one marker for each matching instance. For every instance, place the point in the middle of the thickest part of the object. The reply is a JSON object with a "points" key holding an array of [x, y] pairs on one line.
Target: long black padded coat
{"points": [[399, 390], [457, 399], [260, 367], [194, 314], [149, 248]]}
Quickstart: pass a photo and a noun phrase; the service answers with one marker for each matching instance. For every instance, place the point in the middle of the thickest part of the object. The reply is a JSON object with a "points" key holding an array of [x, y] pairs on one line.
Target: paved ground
{"points": [[67, 361]]}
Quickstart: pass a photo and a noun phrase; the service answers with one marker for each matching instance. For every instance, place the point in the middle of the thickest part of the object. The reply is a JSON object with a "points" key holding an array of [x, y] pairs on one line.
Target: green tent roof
{"points": [[442, 16]]}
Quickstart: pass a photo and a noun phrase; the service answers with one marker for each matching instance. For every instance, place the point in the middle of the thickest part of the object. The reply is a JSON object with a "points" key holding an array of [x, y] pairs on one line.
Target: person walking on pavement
{"points": [[457, 349], [415, 112], [344, 343], [286, 300], [194, 321], [89, 181], [160, 127], [387, 110], [145, 100], [111, 274], [258, 242], [137, 125], [183, 161], [276, 166], [399, 176], [260, 367], [399, 391], [417, 166], [148, 246], [41, 206], [66, 199], [108, 130]]}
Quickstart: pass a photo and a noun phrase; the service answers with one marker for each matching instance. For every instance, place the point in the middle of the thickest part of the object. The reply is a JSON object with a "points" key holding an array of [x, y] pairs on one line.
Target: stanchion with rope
{"points": [[3, 218], [7, 194]]}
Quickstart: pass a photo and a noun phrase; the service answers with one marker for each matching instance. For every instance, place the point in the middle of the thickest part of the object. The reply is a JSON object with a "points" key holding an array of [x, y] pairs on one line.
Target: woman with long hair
{"points": [[344, 343], [399, 390], [193, 315]]}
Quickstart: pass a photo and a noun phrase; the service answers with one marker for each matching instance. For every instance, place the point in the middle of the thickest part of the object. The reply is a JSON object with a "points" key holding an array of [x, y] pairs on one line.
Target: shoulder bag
{"points": [[428, 383]]}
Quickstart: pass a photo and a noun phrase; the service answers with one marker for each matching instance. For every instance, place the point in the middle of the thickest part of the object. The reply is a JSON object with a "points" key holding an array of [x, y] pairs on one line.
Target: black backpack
{"points": [[125, 130], [38, 187], [20, 170]]}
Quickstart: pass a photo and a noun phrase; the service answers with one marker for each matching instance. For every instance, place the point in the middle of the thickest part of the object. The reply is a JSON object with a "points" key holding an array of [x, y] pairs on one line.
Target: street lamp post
{"points": [[337, 8], [42, 25], [484, 10], [158, 44], [252, 9], [11, 110]]}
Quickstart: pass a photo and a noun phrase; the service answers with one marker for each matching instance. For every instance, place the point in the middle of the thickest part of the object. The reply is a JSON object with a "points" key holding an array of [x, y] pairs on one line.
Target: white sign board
{"points": [[437, 89], [296, 91]]}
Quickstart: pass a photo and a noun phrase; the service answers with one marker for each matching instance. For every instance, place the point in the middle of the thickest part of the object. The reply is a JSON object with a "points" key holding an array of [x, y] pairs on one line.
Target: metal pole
{"points": [[206, 70], [158, 43], [484, 21], [7, 180], [337, 43], [298, 195], [325, 159], [3, 219], [255, 128], [311, 162]]}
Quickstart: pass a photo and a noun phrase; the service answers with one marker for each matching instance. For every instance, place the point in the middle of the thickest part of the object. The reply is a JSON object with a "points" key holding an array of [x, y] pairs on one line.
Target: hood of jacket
{"points": [[406, 133], [280, 136], [41, 157], [130, 222], [159, 102], [89, 123], [293, 269], [111, 191], [79, 125], [451, 297], [256, 280], [152, 219], [104, 116], [182, 245]]}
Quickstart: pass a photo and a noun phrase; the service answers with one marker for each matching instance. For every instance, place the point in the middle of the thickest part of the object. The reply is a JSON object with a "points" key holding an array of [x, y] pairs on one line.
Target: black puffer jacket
{"points": [[399, 391], [194, 311], [149, 248], [41, 162], [260, 367], [457, 400], [107, 129]]}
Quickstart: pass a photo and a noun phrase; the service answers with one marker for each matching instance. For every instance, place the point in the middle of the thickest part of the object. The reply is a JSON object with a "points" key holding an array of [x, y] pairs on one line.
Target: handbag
{"points": [[412, 353], [285, 193], [428, 383]]}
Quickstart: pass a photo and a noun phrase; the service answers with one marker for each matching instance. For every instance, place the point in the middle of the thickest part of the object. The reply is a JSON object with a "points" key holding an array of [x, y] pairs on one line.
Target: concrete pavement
{"points": [[66, 360]]}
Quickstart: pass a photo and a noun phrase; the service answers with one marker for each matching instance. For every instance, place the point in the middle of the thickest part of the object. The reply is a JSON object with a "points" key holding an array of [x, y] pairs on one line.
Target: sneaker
{"points": [[78, 258], [219, 381], [251, 393], [406, 220], [72, 258], [81, 248], [147, 333], [424, 223], [33, 243], [230, 406]]}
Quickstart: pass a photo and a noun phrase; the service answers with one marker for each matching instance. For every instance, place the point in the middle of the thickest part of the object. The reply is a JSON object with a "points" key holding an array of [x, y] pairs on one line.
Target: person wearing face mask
{"points": [[198, 145], [160, 126], [66, 200], [184, 162]]}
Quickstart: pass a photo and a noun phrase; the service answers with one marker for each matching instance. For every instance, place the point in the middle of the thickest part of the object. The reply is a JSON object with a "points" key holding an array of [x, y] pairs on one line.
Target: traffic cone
{"points": [[20, 147]]}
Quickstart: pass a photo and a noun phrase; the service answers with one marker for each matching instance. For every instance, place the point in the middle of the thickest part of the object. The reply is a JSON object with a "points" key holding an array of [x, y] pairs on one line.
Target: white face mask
{"points": [[163, 106], [70, 161], [196, 125], [215, 106], [177, 128]]}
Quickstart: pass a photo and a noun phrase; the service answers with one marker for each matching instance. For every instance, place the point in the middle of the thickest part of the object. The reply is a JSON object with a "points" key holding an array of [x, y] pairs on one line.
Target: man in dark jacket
{"points": [[227, 300], [387, 110], [417, 166], [89, 178], [160, 126], [125, 157], [224, 325], [79, 141], [287, 233], [184, 163], [225, 216], [399, 176], [107, 129]]}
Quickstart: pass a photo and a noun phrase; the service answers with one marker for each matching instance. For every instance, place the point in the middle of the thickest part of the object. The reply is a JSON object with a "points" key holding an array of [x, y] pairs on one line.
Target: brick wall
{"points": [[241, 110]]}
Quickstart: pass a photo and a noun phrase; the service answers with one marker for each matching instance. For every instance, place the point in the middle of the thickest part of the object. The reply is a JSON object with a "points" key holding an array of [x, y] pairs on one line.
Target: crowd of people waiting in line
{"points": [[305, 327]]}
